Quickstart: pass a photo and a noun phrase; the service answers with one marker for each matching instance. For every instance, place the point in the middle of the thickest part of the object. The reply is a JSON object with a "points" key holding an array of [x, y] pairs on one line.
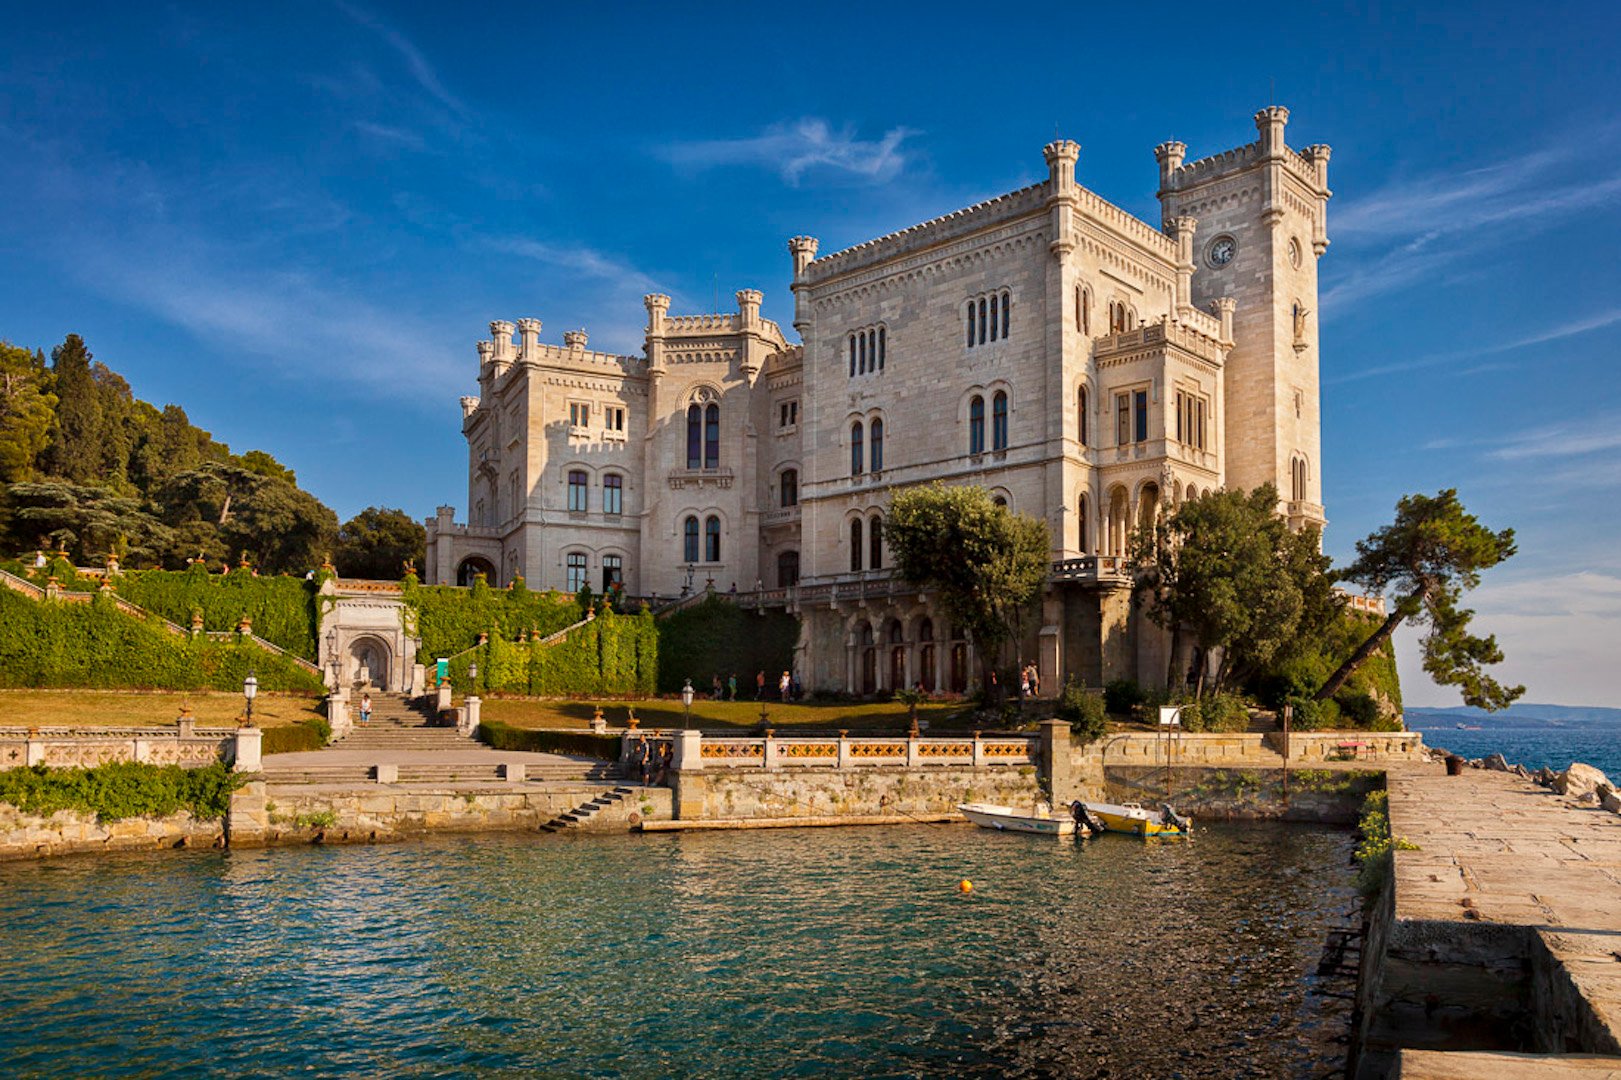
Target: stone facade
{"points": [[1086, 367]]}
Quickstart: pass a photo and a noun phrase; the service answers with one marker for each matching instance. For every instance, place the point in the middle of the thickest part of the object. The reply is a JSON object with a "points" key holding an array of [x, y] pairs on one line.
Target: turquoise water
{"points": [[743, 954]]}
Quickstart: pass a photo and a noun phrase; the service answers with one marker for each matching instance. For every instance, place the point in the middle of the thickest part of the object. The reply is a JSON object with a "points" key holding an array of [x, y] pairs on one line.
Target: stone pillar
{"points": [[337, 713], [913, 758], [1055, 768], [419, 680], [468, 717], [248, 754], [1047, 657], [34, 751], [248, 818], [513, 772], [771, 761], [687, 776], [442, 700], [387, 774], [844, 750]]}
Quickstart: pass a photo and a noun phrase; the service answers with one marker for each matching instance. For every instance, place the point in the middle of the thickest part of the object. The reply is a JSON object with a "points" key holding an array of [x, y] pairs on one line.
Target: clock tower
{"points": [[1261, 211]]}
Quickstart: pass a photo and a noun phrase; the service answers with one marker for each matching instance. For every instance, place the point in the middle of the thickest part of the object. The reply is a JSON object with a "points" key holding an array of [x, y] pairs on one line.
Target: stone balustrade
{"points": [[86, 748], [695, 750]]}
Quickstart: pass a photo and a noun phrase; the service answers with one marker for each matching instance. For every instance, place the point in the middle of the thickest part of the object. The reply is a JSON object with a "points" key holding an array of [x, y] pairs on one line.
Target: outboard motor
{"points": [[1171, 817], [1083, 817]]}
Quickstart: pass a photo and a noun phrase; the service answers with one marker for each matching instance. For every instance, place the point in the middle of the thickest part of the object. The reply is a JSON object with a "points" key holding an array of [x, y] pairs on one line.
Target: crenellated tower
{"points": [[1261, 213]]}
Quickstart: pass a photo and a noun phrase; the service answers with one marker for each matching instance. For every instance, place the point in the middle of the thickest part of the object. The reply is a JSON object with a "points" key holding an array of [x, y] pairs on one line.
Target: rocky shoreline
{"points": [[1580, 783]]}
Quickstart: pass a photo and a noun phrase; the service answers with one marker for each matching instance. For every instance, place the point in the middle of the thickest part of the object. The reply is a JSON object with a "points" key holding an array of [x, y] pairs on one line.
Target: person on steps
{"points": [[365, 708]]}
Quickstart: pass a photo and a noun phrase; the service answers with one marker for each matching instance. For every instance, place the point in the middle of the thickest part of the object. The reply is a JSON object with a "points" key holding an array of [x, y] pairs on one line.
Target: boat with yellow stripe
{"points": [[1137, 820]]}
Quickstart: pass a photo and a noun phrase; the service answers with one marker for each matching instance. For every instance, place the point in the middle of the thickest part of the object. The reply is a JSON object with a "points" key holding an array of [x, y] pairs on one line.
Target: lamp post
{"points": [[472, 677], [686, 703], [250, 689], [332, 655], [687, 588]]}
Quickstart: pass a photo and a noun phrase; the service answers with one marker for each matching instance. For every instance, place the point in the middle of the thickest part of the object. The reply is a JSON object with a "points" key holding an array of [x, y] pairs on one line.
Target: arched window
{"points": [[577, 485], [575, 561], [877, 445], [1297, 479], [881, 348], [852, 356], [1081, 530], [999, 421], [855, 545], [995, 322], [1080, 415], [875, 543], [861, 345], [689, 541], [856, 454], [712, 437], [613, 571], [1007, 322], [695, 437], [982, 320], [790, 487], [1083, 309], [976, 425], [712, 539], [1000, 500], [970, 322], [787, 569]]}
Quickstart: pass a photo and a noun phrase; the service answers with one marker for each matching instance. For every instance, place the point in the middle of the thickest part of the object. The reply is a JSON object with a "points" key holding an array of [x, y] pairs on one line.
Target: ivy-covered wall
{"points": [[283, 609], [717, 637], [59, 644], [450, 620], [613, 655]]}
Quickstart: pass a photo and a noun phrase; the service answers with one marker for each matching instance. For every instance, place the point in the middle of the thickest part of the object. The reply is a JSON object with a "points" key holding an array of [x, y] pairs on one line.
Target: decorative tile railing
{"points": [[847, 752]]}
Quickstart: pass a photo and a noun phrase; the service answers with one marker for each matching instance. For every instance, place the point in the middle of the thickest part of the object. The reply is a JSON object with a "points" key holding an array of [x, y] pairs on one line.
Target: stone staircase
{"points": [[583, 813], [400, 723]]}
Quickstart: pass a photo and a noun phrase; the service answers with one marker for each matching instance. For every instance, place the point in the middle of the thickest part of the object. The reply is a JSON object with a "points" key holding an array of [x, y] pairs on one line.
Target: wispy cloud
{"points": [[1588, 435], [415, 62], [389, 134], [577, 260], [1414, 229], [796, 149], [1555, 332]]}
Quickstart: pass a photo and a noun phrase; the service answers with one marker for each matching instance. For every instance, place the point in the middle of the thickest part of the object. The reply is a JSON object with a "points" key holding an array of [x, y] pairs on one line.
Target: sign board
{"points": [[1170, 716], [442, 669]]}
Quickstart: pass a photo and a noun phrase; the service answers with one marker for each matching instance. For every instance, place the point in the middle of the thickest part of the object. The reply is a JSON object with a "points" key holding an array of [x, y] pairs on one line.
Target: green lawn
{"points": [[740, 715], [156, 708]]}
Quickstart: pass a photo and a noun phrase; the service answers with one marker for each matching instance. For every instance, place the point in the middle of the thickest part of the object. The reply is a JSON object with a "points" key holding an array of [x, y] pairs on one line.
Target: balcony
{"points": [[1092, 568], [788, 515], [698, 478]]}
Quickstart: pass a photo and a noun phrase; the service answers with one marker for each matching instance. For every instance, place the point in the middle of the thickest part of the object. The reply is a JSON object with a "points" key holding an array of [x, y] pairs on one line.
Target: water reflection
{"points": [[795, 952]]}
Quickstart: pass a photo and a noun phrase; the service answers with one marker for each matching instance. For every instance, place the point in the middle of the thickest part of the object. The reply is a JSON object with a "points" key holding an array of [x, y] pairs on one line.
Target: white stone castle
{"points": [[1085, 366]]}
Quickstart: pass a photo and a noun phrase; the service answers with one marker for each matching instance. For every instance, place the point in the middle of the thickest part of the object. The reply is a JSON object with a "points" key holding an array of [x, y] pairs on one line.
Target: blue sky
{"points": [[296, 219]]}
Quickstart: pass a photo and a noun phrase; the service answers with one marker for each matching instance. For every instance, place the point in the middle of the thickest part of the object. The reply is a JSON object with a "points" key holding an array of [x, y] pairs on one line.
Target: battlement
{"points": [[1100, 209], [1309, 166], [500, 354]]}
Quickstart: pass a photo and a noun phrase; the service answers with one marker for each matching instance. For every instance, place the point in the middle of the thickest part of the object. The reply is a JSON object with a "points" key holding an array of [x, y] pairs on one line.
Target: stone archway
{"points": [[471, 567], [369, 662]]}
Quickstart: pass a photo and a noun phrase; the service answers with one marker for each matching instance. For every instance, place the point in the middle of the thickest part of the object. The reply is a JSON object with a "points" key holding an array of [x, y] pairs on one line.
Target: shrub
{"points": [[1373, 853], [121, 790], [1314, 715], [499, 736], [1084, 712], [1358, 710], [1122, 696], [1216, 713], [311, 734], [716, 637]]}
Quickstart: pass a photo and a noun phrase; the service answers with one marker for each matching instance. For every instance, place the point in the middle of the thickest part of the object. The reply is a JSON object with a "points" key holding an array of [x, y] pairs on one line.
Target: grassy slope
{"points": [[157, 708], [744, 715]]}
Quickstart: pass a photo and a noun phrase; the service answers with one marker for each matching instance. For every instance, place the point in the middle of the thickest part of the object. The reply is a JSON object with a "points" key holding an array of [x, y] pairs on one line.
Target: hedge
{"points": [[283, 609], [501, 736], [121, 790], [311, 734], [61, 644], [450, 619], [716, 637], [613, 655]]}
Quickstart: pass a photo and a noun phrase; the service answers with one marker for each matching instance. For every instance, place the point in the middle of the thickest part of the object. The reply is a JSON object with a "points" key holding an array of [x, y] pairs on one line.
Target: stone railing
{"points": [[1091, 568], [696, 751], [85, 748]]}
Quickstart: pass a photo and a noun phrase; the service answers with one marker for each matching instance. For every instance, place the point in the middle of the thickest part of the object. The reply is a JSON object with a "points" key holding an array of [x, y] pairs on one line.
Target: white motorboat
{"points": [[1041, 819]]}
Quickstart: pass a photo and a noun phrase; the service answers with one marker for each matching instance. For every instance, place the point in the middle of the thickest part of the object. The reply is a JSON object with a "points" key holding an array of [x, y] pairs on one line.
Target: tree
{"points": [[1227, 569], [986, 562], [87, 522], [27, 411], [257, 461], [275, 526], [74, 451], [1430, 555], [377, 542]]}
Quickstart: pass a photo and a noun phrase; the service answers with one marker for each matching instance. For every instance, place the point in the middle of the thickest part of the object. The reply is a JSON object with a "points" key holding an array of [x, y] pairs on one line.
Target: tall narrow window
{"points": [[881, 348], [787, 569], [790, 487], [976, 425], [1141, 404], [872, 350], [575, 561], [970, 321], [712, 539], [577, 484], [861, 344], [689, 540], [613, 572], [875, 543], [999, 421], [712, 437], [855, 545], [695, 437], [982, 320], [1007, 324], [852, 356], [857, 456], [1080, 415], [1081, 526], [877, 446], [995, 322], [1122, 419], [613, 494]]}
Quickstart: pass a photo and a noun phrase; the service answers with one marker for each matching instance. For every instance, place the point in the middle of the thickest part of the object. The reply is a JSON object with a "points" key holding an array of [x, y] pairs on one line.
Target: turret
{"points": [[803, 250], [1170, 156], [1270, 122], [1180, 229], [658, 306], [748, 308], [1061, 157], [501, 332], [529, 350], [1222, 307], [574, 340]]}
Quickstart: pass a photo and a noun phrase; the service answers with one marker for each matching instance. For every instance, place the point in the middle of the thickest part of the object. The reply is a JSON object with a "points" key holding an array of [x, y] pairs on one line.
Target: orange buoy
{"points": [[965, 886]]}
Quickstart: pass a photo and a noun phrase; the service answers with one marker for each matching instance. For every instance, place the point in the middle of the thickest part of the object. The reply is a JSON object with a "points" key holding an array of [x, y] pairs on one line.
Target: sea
{"points": [[1532, 741]]}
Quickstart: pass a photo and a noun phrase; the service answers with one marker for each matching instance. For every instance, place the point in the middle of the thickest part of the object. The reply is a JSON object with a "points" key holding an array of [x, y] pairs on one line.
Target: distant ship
{"points": [[1469, 727]]}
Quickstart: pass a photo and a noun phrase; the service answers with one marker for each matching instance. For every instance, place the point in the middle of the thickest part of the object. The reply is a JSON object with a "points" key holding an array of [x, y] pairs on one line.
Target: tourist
{"points": [[784, 684], [759, 685], [716, 691], [731, 687], [365, 708], [638, 757], [666, 757], [1024, 682], [794, 689], [1035, 680]]}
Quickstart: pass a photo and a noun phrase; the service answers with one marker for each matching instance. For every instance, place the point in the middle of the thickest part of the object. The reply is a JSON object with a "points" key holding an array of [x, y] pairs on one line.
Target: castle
{"points": [[1085, 366]]}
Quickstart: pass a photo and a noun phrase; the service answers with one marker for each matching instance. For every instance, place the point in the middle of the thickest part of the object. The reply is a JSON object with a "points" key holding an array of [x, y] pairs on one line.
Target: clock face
{"points": [[1222, 251]]}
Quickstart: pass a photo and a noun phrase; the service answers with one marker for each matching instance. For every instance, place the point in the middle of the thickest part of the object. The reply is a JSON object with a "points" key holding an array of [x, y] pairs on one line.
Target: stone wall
{"points": [[1247, 794], [292, 815], [736, 794], [25, 836]]}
